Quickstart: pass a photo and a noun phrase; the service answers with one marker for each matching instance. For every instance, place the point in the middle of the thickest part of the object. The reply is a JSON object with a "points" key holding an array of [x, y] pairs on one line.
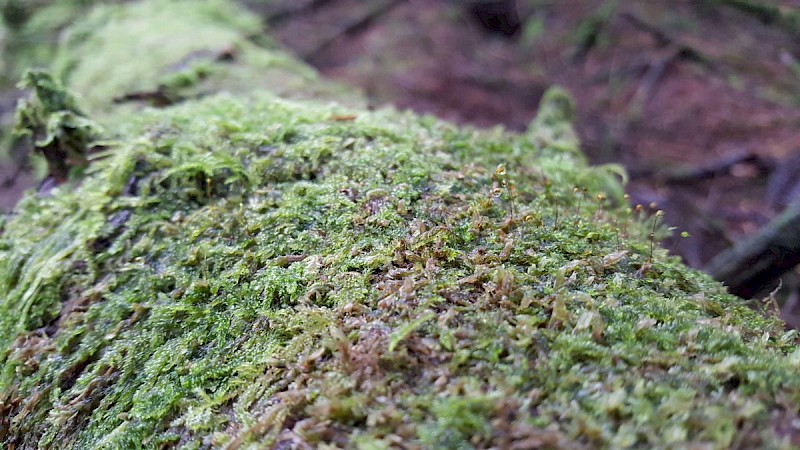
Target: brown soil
{"points": [[670, 88]]}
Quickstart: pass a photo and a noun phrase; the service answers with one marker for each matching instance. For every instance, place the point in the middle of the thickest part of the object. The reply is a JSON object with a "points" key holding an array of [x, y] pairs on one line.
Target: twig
{"points": [[295, 10], [663, 40], [767, 13], [753, 264], [713, 169], [784, 182], [352, 28], [650, 81]]}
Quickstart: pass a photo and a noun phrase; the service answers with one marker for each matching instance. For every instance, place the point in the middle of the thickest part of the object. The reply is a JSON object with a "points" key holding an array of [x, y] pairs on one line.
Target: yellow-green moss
{"points": [[240, 271]]}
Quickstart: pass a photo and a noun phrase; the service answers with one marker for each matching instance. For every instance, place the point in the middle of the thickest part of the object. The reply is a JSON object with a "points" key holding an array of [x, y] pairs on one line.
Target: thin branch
{"points": [[767, 13], [352, 28], [663, 39], [720, 167], [295, 10]]}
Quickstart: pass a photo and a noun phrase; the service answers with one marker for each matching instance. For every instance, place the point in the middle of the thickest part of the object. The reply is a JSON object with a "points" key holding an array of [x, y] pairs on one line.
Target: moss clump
{"points": [[254, 271], [58, 130]]}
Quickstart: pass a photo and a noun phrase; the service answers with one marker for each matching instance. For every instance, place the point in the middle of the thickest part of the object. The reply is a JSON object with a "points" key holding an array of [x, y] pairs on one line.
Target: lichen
{"points": [[247, 271]]}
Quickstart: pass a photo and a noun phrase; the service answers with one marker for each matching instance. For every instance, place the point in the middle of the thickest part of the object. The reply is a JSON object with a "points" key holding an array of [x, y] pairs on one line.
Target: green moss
{"points": [[32, 29], [59, 131], [231, 55], [240, 271]]}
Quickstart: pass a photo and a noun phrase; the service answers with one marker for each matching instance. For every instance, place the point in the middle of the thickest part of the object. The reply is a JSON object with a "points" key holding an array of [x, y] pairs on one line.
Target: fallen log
{"points": [[253, 262]]}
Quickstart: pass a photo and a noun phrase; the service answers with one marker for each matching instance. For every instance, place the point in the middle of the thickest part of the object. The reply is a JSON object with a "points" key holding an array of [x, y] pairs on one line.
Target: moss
{"points": [[32, 30], [59, 131], [229, 55], [114, 58], [242, 271]]}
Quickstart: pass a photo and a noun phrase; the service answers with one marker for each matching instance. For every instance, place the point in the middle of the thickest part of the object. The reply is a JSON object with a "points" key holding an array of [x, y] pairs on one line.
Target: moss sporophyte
{"points": [[241, 269]]}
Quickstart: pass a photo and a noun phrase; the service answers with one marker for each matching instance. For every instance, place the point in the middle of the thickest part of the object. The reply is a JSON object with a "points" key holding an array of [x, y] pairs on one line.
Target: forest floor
{"points": [[700, 102]]}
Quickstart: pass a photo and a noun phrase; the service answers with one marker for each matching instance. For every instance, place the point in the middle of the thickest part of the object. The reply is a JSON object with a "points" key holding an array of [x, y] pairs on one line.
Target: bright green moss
{"points": [[238, 271]]}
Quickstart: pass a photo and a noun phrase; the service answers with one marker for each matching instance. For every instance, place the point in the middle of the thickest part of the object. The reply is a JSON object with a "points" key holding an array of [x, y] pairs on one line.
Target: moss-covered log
{"points": [[242, 269]]}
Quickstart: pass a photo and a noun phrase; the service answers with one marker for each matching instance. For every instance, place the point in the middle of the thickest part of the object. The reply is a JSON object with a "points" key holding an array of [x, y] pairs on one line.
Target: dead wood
{"points": [[752, 265]]}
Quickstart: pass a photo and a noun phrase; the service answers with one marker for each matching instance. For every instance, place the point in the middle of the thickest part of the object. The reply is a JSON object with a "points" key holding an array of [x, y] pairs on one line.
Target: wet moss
{"points": [[246, 271]]}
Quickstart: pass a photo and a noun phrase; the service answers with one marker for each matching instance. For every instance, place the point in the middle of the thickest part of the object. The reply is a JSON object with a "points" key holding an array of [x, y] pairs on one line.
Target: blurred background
{"points": [[698, 99]]}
